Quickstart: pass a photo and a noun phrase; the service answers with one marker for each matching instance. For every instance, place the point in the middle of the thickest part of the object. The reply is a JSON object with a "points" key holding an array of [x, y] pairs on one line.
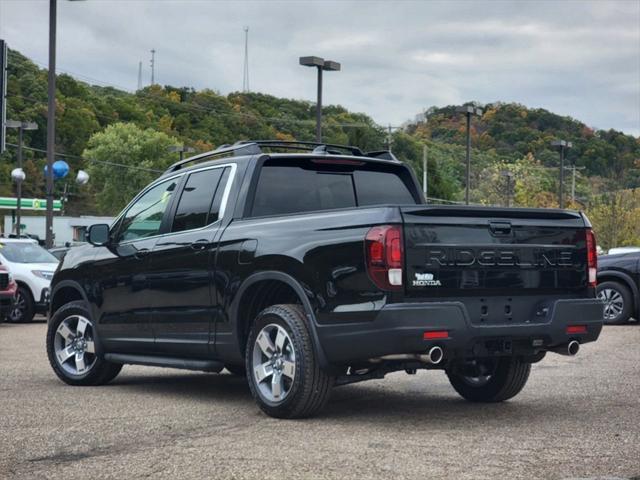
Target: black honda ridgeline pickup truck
{"points": [[316, 267]]}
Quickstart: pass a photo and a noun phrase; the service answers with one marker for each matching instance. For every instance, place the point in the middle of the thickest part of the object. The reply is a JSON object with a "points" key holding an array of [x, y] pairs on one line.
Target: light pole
{"points": [[181, 149], [51, 120], [320, 64], [17, 174], [468, 110], [561, 146]]}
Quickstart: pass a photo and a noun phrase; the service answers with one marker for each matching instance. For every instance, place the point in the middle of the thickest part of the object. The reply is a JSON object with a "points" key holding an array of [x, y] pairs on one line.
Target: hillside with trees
{"points": [[122, 139]]}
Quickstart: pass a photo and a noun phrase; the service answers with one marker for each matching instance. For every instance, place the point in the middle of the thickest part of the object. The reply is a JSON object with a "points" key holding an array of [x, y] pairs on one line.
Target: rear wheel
{"points": [[618, 302], [73, 350], [24, 307], [282, 370], [490, 380]]}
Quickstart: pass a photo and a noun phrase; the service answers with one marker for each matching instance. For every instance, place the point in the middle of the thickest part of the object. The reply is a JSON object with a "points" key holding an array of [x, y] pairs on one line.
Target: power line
{"points": [[68, 155]]}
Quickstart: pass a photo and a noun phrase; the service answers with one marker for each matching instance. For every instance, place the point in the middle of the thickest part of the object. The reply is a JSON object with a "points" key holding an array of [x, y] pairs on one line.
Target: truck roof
{"points": [[283, 149]]}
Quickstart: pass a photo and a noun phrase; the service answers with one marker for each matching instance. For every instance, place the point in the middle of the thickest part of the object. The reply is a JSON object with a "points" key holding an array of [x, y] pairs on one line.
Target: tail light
{"points": [[592, 258], [385, 253]]}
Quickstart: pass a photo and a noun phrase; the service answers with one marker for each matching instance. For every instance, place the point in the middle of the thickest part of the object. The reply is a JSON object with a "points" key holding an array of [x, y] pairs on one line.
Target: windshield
{"points": [[26, 253]]}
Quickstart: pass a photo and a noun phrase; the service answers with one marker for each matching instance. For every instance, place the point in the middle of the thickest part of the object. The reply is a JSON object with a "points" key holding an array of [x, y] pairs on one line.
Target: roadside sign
{"points": [[11, 203]]}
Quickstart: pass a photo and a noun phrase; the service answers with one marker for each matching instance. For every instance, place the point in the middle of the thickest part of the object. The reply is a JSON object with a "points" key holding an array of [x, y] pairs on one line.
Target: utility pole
{"points": [[561, 146], [425, 185], [573, 181], [468, 110], [245, 78], [139, 76], [153, 67], [51, 121]]}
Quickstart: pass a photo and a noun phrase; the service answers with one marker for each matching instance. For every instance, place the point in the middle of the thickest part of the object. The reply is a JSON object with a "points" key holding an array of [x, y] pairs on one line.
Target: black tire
{"points": [[100, 372], [611, 292], [237, 370], [310, 388], [509, 376], [25, 307]]}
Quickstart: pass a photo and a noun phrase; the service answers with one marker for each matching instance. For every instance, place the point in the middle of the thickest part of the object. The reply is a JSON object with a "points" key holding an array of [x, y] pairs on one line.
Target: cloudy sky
{"points": [[573, 57]]}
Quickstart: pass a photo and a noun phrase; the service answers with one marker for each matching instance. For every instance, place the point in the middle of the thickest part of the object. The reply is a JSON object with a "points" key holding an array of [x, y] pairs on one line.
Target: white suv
{"points": [[32, 268]]}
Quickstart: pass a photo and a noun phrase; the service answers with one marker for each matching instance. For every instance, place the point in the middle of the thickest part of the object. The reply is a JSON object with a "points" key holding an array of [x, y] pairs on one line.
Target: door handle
{"points": [[143, 252], [200, 245]]}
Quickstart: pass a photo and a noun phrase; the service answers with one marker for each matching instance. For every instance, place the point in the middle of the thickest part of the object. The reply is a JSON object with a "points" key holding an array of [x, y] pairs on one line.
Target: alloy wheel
{"points": [[19, 307], [74, 345], [273, 363], [613, 303]]}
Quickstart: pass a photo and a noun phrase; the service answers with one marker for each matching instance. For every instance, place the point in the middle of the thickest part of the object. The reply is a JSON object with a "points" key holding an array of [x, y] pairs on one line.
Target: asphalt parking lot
{"points": [[577, 418]]}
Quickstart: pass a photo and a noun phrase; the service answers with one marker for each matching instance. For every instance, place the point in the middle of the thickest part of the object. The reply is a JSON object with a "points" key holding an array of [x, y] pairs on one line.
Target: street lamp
{"points": [[17, 174], [320, 64], [469, 110], [181, 149], [561, 146]]}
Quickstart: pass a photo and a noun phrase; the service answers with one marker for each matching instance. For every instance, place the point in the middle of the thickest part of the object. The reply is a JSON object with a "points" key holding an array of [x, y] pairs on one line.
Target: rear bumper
{"points": [[400, 328]]}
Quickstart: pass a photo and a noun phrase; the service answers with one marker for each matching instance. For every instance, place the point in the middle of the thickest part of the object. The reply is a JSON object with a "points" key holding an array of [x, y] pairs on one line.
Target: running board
{"points": [[168, 362]]}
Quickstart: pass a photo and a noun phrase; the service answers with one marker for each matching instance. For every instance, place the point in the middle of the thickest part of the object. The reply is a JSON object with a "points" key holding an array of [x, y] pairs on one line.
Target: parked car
{"points": [[8, 289], [309, 270], [618, 250], [619, 286], [32, 268]]}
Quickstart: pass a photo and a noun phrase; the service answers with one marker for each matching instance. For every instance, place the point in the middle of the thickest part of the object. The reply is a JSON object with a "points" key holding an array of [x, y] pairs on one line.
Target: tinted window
{"points": [[291, 189], [379, 188], [144, 217], [195, 203]]}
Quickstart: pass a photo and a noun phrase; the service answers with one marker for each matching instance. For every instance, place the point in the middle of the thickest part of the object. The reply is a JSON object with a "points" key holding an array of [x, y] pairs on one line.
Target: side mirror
{"points": [[98, 234]]}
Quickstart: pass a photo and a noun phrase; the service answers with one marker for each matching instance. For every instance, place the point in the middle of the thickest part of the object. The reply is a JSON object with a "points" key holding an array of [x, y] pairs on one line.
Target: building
{"points": [[65, 229]]}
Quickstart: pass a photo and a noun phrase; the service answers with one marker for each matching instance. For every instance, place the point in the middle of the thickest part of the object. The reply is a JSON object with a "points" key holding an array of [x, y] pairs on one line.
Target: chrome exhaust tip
{"points": [[435, 355], [573, 348]]}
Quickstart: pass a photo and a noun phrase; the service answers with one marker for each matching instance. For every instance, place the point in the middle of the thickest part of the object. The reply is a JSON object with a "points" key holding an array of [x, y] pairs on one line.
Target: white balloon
{"points": [[82, 178], [18, 175]]}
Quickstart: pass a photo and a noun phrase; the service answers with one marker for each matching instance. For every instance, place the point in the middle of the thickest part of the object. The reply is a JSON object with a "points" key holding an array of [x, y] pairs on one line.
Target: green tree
{"points": [[616, 218], [143, 154]]}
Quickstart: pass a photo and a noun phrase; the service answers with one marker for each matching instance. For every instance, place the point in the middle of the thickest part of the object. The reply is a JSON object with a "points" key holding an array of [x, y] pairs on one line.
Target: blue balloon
{"points": [[60, 169]]}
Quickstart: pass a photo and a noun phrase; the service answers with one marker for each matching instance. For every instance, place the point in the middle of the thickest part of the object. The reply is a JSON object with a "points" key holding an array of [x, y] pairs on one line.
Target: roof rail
{"points": [[255, 147], [237, 149]]}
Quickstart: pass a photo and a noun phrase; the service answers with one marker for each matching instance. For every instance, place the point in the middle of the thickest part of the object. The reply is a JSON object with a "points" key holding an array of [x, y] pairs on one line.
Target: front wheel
{"points": [[24, 307], [73, 349], [282, 370], [490, 380]]}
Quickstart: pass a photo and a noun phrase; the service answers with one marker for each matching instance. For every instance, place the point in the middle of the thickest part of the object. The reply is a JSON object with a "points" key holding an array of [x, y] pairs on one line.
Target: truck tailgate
{"points": [[464, 251]]}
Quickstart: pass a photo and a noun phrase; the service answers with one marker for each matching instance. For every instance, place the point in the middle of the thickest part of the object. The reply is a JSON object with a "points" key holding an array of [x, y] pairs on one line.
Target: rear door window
{"points": [[304, 187], [380, 188], [286, 189], [196, 200]]}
